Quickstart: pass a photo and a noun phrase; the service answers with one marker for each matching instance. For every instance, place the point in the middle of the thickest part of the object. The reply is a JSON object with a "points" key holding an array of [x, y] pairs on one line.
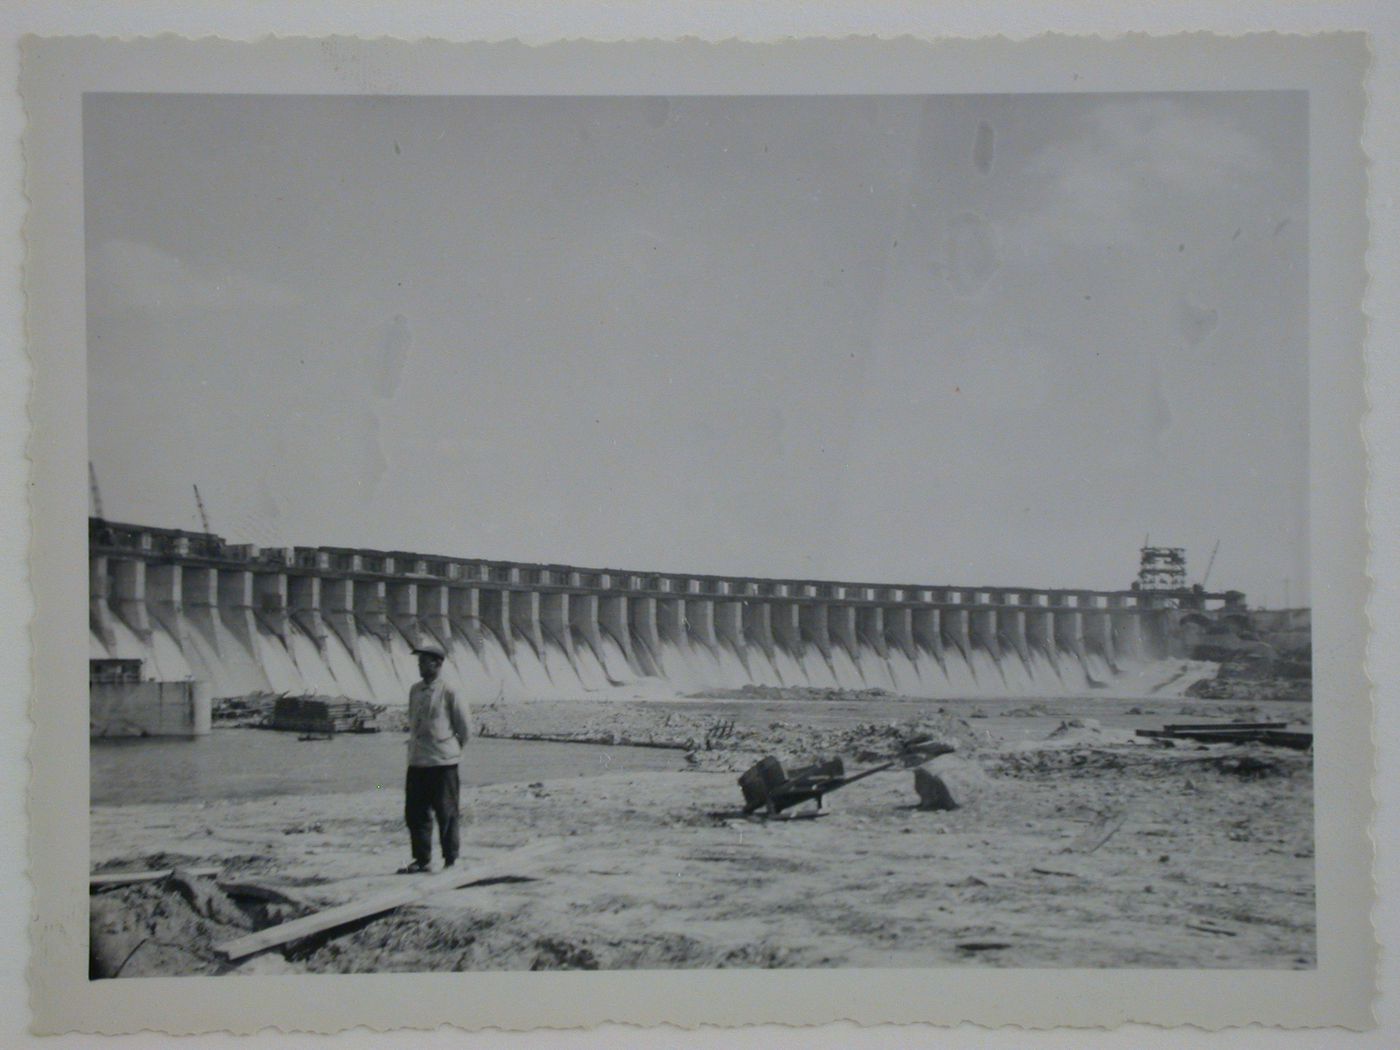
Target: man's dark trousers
{"points": [[432, 791]]}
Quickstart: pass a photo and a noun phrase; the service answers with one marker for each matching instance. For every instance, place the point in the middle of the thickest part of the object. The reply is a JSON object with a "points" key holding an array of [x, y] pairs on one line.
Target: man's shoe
{"points": [[448, 863], [416, 868]]}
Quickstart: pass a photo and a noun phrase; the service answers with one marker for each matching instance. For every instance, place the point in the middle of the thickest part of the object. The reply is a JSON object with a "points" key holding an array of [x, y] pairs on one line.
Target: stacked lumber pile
{"points": [[1276, 734], [248, 710], [324, 714]]}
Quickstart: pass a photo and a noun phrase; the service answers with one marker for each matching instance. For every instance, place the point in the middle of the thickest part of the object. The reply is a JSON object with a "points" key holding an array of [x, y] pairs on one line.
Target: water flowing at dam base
{"points": [[366, 661], [341, 622]]}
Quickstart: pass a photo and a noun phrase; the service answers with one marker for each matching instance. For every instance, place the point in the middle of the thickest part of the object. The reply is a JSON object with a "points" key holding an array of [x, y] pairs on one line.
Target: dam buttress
{"points": [[341, 621]]}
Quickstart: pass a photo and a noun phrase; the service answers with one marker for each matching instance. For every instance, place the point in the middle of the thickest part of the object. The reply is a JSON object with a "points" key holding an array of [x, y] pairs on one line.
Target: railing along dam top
{"points": [[205, 550]]}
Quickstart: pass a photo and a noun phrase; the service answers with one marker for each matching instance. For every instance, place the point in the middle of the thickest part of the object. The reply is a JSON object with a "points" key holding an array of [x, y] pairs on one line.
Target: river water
{"points": [[249, 763]]}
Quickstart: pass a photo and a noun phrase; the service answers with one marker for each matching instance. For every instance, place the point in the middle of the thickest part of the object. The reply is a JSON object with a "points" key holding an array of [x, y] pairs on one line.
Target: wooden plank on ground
{"points": [[1210, 727], [109, 879], [416, 888], [1207, 736]]}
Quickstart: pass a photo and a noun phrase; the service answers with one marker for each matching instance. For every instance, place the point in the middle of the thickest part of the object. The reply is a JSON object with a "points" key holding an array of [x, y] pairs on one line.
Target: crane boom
{"points": [[1210, 564], [203, 515]]}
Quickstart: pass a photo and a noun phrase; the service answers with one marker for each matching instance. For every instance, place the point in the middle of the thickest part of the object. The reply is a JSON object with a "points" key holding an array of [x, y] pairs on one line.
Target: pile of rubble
{"points": [[862, 742], [1247, 689], [1259, 675], [714, 741], [170, 924], [790, 692]]}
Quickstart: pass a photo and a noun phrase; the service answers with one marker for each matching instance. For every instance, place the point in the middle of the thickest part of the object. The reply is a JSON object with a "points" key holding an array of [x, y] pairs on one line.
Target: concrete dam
{"points": [[243, 620]]}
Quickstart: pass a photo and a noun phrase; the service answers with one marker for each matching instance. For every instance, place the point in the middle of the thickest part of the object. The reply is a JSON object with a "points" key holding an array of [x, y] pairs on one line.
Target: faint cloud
{"points": [[395, 341], [972, 252], [365, 449], [1176, 147], [1157, 419], [131, 275], [1132, 161]]}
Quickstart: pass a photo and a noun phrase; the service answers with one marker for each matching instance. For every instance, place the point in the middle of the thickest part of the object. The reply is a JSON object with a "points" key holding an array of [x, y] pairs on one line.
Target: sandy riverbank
{"points": [[1077, 846]]}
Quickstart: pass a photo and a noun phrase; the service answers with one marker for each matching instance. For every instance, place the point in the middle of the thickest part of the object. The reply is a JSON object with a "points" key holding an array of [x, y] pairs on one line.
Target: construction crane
{"points": [[203, 515], [96, 492], [1206, 578]]}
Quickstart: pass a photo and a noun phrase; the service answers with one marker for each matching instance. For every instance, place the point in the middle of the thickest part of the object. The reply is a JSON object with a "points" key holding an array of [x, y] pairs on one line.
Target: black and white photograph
{"points": [[836, 531], [658, 469]]}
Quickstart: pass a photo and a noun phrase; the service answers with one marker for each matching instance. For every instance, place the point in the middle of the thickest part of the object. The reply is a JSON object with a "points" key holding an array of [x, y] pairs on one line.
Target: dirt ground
{"points": [[1076, 844]]}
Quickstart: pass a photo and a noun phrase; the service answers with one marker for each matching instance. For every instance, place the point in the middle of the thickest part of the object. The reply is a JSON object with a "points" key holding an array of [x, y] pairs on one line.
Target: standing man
{"points": [[437, 730]]}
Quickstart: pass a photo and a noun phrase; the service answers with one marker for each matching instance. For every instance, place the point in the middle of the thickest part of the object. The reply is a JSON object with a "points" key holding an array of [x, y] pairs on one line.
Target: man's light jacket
{"points": [[437, 725]]}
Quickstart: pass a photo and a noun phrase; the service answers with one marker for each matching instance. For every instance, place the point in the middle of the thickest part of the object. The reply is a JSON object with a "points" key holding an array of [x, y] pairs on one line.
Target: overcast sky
{"points": [[991, 339]]}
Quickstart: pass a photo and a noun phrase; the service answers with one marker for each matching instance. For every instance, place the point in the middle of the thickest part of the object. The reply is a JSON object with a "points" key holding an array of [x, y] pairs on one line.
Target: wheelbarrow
{"points": [[766, 785]]}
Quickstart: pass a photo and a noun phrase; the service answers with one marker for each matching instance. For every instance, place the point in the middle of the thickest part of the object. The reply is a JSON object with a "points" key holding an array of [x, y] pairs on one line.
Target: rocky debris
{"points": [[660, 873], [1032, 711], [410, 939], [1140, 762], [553, 953], [1250, 766], [160, 861], [208, 901], [790, 692], [949, 782], [113, 937], [415, 941], [1245, 689], [868, 742], [968, 882], [982, 946], [1069, 725], [716, 743], [1102, 828], [1264, 666], [863, 744], [1075, 761], [932, 791], [1077, 733], [163, 928], [170, 927], [1260, 675]]}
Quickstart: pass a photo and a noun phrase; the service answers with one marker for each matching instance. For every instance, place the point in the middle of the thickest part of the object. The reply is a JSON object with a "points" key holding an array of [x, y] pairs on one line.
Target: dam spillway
{"points": [[344, 621]]}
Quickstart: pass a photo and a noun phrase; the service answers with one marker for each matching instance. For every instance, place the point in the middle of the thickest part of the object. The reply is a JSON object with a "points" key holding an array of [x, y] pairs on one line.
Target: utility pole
{"points": [[96, 492]]}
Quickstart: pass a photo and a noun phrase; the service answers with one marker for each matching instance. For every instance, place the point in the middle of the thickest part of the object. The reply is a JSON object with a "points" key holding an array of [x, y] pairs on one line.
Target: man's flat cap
{"points": [[430, 649]]}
